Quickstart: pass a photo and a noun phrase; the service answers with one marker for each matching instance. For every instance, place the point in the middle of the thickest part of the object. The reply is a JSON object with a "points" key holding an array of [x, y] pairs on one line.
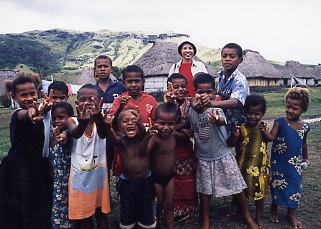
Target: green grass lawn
{"points": [[310, 210]]}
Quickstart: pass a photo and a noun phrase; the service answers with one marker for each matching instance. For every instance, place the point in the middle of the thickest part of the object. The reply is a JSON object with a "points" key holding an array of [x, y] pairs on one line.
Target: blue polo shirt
{"points": [[113, 90]]}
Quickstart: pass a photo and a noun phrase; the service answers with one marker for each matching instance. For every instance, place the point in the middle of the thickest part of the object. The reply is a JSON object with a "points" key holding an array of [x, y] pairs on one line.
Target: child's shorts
{"points": [[137, 203], [220, 177]]}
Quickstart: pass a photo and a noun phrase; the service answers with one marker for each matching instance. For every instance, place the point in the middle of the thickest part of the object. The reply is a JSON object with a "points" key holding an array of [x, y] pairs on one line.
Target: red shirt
{"points": [[146, 106], [185, 70]]}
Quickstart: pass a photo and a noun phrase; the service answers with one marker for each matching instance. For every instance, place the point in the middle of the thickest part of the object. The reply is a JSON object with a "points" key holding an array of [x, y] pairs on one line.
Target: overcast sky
{"points": [[279, 29]]}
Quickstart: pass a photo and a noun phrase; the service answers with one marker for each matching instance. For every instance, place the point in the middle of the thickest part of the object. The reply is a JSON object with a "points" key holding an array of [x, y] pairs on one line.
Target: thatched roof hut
{"points": [[87, 77], [258, 71], [297, 72], [6, 75], [157, 61], [316, 72]]}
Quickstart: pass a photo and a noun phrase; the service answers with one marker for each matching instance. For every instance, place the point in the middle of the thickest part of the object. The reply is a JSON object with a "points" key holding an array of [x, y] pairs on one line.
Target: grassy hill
{"points": [[64, 53]]}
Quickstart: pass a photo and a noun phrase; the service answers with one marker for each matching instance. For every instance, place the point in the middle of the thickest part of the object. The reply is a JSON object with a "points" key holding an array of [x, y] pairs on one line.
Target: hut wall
{"points": [[259, 82], [310, 81], [155, 83]]}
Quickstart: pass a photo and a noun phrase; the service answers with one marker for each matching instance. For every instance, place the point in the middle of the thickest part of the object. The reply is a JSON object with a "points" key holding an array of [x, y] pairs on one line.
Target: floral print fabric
{"points": [[220, 178], [60, 161], [286, 159], [253, 161]]}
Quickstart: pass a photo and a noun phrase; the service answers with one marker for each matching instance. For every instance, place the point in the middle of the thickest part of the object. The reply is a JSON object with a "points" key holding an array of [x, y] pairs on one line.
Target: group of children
{"points": [[56, 172]]}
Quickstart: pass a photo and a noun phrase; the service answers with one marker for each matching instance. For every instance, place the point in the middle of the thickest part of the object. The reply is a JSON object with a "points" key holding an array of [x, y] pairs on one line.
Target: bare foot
{"points": [[296, 224], [273, 217], [260, 222]]}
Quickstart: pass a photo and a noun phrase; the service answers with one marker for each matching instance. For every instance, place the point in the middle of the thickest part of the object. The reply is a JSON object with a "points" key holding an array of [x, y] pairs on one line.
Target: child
{"points": [[185, 198], [59, 156], [133, 77], [25, 194], [289, 150], [57, 93], [161, 147], [233, 86], [251, 141], [217, 170], [135, 186], [107, 88], [88, 186]]}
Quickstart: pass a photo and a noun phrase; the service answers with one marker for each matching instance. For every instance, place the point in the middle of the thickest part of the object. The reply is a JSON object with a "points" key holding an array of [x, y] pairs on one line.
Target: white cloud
{"points": [[279, 30]]}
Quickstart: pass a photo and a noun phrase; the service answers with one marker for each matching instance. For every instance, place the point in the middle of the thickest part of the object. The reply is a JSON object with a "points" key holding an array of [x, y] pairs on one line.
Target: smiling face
{"points": [[58, 96], [293, 109], [187, 52], [165, 124], [254, 115], [133, 83], [59, 118], [180, 88], [26, 95], [128, 125], [103, 69], [230, 60]]}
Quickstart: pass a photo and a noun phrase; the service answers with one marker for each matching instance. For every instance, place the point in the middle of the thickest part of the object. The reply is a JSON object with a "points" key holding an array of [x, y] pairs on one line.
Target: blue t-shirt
{"points": [[113, 90]]}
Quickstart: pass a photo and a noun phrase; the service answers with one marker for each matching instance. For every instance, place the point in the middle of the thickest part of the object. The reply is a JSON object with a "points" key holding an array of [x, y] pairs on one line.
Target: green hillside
{"points": [[63, 53]]}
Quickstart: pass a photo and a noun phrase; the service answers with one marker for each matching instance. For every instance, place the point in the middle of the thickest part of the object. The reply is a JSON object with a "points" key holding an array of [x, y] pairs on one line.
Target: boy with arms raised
{"points": [[146, 104], [136, 188], [88, 181]]}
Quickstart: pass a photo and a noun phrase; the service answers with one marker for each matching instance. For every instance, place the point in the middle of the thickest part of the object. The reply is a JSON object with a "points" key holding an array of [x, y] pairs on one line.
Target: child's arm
{"points": [[98, 119], [234, 137], [305, 155], [274, 132], [145, 144], [108, 120], [83, 117], [169, 96], [32, 114], [264, 130]]}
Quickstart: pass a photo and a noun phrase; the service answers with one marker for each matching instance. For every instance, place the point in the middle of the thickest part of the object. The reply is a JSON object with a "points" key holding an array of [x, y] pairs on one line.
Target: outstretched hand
{"points": [[262, 126], [124, 99], [152, 127], [48, 102], [196, 102], [82, 113], [213, 117], [61, 138], [169, 96], [237, 131], [34, 114]]}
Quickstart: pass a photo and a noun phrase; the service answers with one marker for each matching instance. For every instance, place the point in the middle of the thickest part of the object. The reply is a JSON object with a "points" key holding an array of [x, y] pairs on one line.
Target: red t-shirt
{"points": [[186, 70], [146, 106]]}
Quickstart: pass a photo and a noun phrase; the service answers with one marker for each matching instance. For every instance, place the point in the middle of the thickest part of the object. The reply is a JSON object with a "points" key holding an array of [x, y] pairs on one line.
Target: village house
{"points": [[297, 74], [260, 73]]}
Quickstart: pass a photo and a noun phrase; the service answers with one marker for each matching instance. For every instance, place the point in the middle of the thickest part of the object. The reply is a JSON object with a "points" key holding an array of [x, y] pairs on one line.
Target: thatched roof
{"points": [[87, 77], [255, 66], [316, 71], [158, 60], [6, 75], [294, 68]]}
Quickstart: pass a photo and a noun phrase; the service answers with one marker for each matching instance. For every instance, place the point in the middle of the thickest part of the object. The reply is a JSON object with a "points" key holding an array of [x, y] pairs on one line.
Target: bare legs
{"points": [[88, 223], [205, 201], [165, 198], [242, 203]]}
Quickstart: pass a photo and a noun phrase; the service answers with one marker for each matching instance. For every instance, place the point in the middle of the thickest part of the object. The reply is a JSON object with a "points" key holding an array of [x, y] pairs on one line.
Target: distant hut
{"points": [[316, 72], [261, 74], [87, 77], [156, 63], [6, 76], [297, 73]]}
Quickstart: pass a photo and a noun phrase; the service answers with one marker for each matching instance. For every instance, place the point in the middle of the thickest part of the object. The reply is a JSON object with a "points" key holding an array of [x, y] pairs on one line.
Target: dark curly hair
{"points": [[301, 94], [255, 100]]}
